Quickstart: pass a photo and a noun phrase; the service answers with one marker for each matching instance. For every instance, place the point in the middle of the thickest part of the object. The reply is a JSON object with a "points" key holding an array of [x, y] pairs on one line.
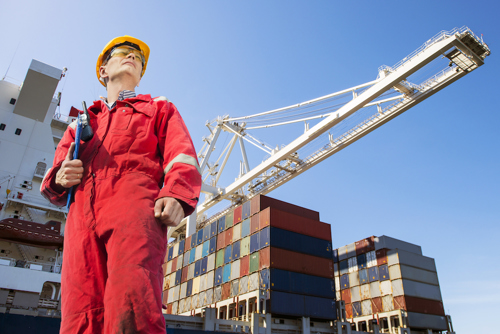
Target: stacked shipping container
{"points": [[377, 275], [265, 244]]}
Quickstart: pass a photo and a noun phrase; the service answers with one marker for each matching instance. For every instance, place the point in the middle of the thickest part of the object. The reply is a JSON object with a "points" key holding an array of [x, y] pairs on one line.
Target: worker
{"points": [[138, 175]]}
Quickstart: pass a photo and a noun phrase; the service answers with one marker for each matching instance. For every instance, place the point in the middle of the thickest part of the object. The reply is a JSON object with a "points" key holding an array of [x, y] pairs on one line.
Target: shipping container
{"points": [[199, 252], [253, 282], [385, 288], [226, 274], [337, 283], [220, 258], [371, 259], [235, 253], [387, 304], [206, 232], [365, 291], [351, 250], [344, 282], [229, 219], [264, 258], [352, 264], [383, 272], [346, 296], [246, 210], [353, 279], [226, 291], [245, 246], [342, 253], [299, 243], [356, 309], [366, 307], [211, 262], [175, 308], [335, 255], [244, 266], [170, 253], [210, 279], [172, 280], [397, 256], [365, 245], [218, 294], [221, 224], [205, 249], [187, 304], [254, 262], [181, 305], [419, 305], [375, 289], [209, 297], [302, 263], [168, 269], [204, 265], [185, 259], [254, 243], [243, 284], [228, 254], [197, 268], [245, 228], [381, 255], [170, 296], [202, 299], [377, 305], [213, 229], [178, 275], [415, 274], [194, 301], [287, 281], [221, 240], [264, 237], [373, 274], [282, 303], [184, 274], [361, 260], [181, 247], [203, 282], [235, 269], [261, 202], [180, 258], [177, 291], [427, 321], [229, 236], [290, 222], [254, 223], [343, 267], [236, 232], [235, 288], [218, 276], [169, 309], [187, 245], [336, 271], [196, 285], [189, 288], [264, 279], [348, 311], [238, 215], [391, 243], [415, 289], [199, 237], [355, 294], [212, 245]]}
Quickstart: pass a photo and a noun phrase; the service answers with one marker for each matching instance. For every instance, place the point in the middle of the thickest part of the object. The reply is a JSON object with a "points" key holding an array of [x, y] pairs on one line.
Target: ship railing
{"points": [[32, 265], [48, 303], [8, 261]]}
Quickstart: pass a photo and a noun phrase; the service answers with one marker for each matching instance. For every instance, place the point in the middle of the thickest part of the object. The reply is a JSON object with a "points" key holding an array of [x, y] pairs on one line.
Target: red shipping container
{"points": [[301, 263], [226, 290], [348, 311], [346, 296], [187, 244], [184, 274], [221, 240], [254, 223], [165, 297], [290, 222], [169, 309], [164, 267], [419, 305], [381, 256], [174, 264], [229, 237], [238, 214], [261, 202], [264, 258], [365, 245], [244, 266], [377, 305]]}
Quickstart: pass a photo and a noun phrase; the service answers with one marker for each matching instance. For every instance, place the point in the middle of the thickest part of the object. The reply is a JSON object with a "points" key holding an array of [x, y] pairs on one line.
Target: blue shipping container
{"points": [[204, 264], [178, 274], [213, 245], [245, 228], [264, 237], [199, 237], [227, 254], [335, 255], [222, 224], [344, 267], [356, 309], [218, 276], [170, 253], [193, 240], [245, 210], [206, 248], [181, 246], [287, 281], [344, 282], [363, 276], [226, 275], [383, 272], [189, 287], [235, 254], [264, 279], [300, 243], [197, 268], [361, 261], [213, 229], [254, 242], [207, 232], [192, 255], [373, 274], [281, 303], [323, 308]]}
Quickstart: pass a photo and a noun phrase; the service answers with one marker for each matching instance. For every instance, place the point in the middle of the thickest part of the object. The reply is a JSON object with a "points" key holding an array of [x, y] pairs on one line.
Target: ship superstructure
{"points": [[31, 228]]}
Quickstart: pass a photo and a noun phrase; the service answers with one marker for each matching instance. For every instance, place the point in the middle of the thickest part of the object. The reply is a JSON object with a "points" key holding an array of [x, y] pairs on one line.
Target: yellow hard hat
{"points": [[123, 40]]}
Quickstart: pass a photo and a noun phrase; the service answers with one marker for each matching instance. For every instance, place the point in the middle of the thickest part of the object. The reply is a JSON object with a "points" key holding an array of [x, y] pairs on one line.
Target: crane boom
{"points": [[461, 47]]}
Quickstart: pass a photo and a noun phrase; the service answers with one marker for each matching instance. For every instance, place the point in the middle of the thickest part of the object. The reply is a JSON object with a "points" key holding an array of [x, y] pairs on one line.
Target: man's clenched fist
{"points": [[71, 171]]}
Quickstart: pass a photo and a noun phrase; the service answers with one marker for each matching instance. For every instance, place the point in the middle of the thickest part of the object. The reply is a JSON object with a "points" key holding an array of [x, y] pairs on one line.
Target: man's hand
{"points": [[71, 171], [168, 211]]}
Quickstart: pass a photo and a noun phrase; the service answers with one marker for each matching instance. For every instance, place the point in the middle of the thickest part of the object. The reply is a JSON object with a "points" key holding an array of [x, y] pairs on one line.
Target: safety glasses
{"points": [[123, 51]]}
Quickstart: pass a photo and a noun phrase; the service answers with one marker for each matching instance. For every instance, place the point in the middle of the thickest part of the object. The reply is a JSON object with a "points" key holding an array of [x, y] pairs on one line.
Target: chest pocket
{"points": [[131, 122]]}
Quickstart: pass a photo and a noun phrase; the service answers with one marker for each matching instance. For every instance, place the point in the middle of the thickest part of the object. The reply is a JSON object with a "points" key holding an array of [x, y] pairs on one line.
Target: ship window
{"points": [[18, 131], [40, 168], [13, 101], [2, 126]]}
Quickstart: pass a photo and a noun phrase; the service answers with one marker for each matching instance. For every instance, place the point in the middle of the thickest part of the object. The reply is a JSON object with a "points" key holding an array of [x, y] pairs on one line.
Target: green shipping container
{"points": [[254, 262], [229, 219], [220, 258], [245, 246]]}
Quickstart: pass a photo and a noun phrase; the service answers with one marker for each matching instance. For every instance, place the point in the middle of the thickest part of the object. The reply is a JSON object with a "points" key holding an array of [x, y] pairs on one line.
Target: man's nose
{"points": [[131, 55]]}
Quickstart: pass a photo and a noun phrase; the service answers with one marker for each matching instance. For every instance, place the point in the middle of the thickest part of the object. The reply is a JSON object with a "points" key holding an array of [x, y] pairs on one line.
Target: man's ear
{"points": [[102, 72]]}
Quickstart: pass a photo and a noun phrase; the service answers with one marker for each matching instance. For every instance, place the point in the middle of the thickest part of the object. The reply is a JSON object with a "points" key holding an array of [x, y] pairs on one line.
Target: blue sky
{"points": [[429, 177]]}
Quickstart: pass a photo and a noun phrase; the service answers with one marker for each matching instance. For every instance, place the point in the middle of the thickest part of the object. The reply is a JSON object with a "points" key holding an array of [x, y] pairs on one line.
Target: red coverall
{"points": [[113, 245]]}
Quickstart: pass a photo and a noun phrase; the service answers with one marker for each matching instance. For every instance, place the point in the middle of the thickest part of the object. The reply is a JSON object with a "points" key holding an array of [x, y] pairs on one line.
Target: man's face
{"points": [[123, 62]]}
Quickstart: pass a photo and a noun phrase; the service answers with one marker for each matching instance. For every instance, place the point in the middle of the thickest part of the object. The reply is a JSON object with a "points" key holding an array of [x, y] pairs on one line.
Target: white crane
{"points": [[398, 88]]}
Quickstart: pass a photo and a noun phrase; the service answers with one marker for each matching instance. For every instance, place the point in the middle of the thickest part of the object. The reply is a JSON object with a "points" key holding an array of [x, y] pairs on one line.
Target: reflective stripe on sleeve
{"points": [[185, 159]]}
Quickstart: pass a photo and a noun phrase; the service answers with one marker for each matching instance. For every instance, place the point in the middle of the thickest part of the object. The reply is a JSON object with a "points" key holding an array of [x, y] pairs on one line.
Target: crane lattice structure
{"points": [[344, 117]]}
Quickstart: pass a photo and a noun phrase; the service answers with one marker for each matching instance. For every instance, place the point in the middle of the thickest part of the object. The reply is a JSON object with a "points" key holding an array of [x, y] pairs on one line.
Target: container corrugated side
{"points": [[365, 291], [226, 291], [353, 279], [355, 294], [238, 215], [387, 303], [346, 295], [374, 289], [235, 269], [244, 266], [415, 289], [302, 263], [366, 307], [244, 284], [397, 256], [426, 321], [300, 243], [282, 303], [415, 274], [419, 305], [342, 253], [254, 223], [377, 305], [209, 297], [261, 202], [287, 281], [391, 243], [351, 250]]}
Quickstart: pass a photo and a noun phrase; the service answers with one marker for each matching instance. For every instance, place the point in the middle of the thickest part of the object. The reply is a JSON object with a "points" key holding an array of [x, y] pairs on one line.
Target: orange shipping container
{"points": [[346, 296], [229, 237], [226, 290], [187, 244], [221, 242], [264, 258], [300, 263], [169, 309], [377, 305], [381, 256], [254, 223], [244, 266], [348, 311]]}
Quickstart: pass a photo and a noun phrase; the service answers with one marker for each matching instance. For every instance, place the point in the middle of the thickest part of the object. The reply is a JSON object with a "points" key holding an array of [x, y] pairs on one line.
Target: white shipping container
{"points": [[180, 309], [201, 302], [217, 294], [351, 250], [342, 253], [190, 271], [366, 307], [352, 263], [398, 256], [203, 282], [391, 243], [175, 306], [210, 279], [336, 269], [235, 269], [187, 304], [176, 250], [194, 301], [166, 282], [353, 279], [196, 285], [415, 274], [385, 288], [337, 295], [415, 289], [375, 289], [170, 297], [244, 284], [337, 283], [172, 280], [371, 259], [179, 262], [183, 291], [355, 294], [169, 267], [387, 303], [365, 291], [209, 296], [237, 232], [198, 253], [185, 261], [176, 292], [253, 282], [211, 262]]}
